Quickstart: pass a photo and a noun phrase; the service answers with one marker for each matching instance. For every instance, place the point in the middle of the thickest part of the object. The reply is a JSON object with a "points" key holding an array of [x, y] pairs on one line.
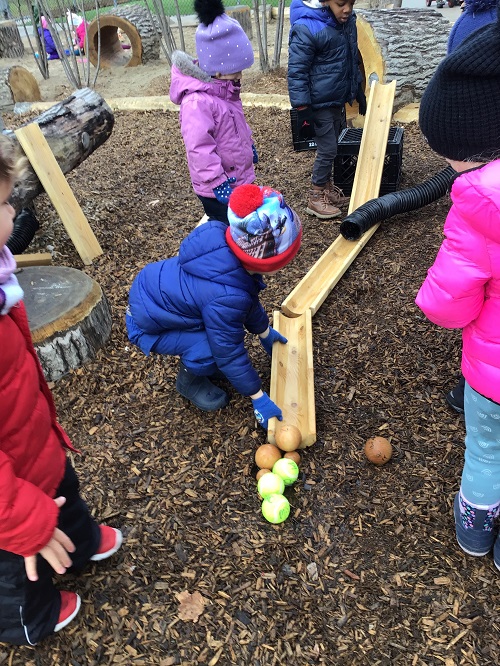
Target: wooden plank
{"points": [[292, 377], [34, 259], [49, 172], [312, 290]]}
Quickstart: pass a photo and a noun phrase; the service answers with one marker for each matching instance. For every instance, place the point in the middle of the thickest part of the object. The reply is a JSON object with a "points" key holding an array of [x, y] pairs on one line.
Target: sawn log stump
{"points": [[69, 317]]}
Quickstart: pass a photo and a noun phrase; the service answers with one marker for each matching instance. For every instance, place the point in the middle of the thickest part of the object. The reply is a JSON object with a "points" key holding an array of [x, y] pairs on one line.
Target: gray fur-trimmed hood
{"points": [[186, 64]]}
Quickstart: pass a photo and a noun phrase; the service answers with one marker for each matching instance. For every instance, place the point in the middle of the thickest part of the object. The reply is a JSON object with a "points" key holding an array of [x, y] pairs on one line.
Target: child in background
{"points": [[218, 140], [45, 526], [323, 75], [462, 288], [47, 41], [198, 304]]}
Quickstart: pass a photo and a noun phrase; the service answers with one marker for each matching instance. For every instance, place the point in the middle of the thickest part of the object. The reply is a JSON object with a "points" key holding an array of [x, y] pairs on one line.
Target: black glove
{"points": [[272, 337], [264, 409], [361, 100], [306, 123]]}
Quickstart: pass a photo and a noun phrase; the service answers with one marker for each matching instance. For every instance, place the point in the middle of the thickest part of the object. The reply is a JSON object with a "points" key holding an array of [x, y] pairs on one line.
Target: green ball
{"points": [[270, 484], [287, 469], [275, 508]]}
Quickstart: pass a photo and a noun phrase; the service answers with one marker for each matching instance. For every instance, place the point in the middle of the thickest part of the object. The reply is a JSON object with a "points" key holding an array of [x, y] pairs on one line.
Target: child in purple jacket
{"points": [[462, 288], [218, 140]]}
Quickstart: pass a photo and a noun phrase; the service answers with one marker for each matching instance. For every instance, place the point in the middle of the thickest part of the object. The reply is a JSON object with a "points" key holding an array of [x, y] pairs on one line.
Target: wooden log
{"points": [[74, 128], [17, 85], [11, 44], [311, 291], [68, 314], [292, 377], [404, 45], [142, 33]]}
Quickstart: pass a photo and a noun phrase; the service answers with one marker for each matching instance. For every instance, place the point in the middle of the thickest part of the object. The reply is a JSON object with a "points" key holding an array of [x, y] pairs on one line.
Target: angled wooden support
{"points": [[49, 172], [312, 290], [34, 259], [292, 377]]}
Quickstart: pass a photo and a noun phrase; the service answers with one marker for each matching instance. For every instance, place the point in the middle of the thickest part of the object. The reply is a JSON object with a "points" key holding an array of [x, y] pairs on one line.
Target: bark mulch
{"points": [[366, 570]]}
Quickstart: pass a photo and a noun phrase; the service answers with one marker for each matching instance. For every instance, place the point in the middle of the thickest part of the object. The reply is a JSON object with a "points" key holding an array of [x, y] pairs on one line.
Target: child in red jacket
{"points": [[45, 526]]}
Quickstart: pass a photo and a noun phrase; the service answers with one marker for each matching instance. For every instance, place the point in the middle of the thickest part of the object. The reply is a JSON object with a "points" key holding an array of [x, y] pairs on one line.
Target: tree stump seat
{"points": [[68, 314]]}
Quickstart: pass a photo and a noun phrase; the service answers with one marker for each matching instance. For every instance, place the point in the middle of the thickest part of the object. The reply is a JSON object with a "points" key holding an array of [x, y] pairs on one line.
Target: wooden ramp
{"points": [[56, 186], [292, 377], [312, 290]]}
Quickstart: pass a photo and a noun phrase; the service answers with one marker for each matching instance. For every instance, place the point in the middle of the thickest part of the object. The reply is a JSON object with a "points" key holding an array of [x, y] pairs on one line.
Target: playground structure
{"points": [[292, 372]]}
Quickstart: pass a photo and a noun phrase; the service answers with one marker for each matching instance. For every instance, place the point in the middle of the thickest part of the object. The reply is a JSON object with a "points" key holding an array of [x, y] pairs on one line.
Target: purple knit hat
{"points": [[222, 46]]}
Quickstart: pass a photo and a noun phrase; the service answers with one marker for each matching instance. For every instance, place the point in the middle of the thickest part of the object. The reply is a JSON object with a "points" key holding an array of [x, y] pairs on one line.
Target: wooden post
{"points": [[311, 291], [292, 377], [11, 44], [242, 14], [56, 186]]}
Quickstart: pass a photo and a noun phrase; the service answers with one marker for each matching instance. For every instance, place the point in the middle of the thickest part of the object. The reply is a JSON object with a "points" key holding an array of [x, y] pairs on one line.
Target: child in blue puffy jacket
{"points": [[199, 304]]}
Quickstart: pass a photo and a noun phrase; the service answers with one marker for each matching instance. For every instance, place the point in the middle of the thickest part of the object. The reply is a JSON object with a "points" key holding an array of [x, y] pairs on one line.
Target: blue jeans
{"points": [[481, 473]]}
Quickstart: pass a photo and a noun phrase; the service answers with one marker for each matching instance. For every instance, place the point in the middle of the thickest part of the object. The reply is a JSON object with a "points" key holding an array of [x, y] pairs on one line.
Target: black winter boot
{"points": [[200, 391]]}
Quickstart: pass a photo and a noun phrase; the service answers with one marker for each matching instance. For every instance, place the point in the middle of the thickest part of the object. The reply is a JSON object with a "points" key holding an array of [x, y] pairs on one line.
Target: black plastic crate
{"points": [[298, 143], [346, 161]]}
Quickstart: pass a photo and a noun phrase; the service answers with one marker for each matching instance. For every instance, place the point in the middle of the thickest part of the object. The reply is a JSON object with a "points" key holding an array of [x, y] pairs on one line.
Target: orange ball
{"points": [[288, 437], [266, 455], [261, 472], [378, 450], [293, 455]]}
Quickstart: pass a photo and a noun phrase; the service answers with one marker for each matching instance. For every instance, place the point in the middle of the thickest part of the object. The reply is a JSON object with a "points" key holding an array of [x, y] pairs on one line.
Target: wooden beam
{"points": [[292, 377], [56, 186], [312, 290], [34, 259]]}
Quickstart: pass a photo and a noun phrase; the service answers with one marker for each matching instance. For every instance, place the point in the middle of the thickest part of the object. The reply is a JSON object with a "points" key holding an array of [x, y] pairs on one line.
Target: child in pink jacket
{"points": [[462, 288], [218, 140]]}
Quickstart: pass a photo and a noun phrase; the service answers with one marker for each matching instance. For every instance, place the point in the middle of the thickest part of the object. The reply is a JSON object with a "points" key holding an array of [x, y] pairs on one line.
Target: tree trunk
{"points": [[402, 44], [69, 317], [11, 45], [142, 33], [17, 85], [241, 13], [74, 128]]}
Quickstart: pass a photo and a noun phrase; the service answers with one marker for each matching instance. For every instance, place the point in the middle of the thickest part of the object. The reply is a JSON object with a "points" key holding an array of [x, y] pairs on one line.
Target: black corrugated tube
{"points": [[376, 210], [25, 227]]}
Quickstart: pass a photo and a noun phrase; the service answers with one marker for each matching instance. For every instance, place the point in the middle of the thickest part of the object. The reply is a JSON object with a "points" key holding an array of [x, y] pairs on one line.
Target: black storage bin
{"points": [[346, 161], [299, 144]]}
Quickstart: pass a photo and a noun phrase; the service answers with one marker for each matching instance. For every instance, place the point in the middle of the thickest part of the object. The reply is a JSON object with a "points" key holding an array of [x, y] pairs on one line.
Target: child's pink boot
{"points": [[70, 605], [111, 540]]}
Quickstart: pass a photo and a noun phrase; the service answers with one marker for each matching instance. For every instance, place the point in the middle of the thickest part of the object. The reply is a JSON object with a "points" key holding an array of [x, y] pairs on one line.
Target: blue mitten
{"points": [[223, 192], [255, 154], [264, 409], [272, 337]]}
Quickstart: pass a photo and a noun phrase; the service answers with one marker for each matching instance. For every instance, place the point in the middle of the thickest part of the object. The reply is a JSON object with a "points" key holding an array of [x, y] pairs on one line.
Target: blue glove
{"points": [[272, 337], [255, 154], [223, 192], [264, 409]]}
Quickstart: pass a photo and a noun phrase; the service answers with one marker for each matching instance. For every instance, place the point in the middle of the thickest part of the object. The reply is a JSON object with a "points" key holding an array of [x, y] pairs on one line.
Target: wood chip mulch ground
{"points": [[366, 570]]}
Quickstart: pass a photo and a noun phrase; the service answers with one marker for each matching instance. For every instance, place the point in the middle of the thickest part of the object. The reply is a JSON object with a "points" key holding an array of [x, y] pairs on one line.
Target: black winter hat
{"points": [[460, 108]]}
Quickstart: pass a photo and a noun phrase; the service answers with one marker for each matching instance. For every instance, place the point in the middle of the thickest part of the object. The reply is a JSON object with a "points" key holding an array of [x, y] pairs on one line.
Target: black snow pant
{"points": [[29, 610]]}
